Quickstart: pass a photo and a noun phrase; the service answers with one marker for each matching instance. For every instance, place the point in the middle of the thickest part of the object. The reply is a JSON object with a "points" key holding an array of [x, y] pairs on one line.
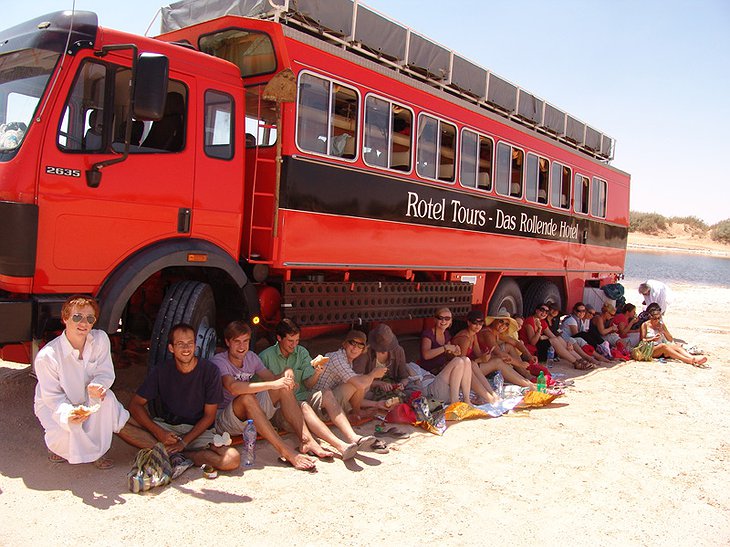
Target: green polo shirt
{"points": [[299, 361]]}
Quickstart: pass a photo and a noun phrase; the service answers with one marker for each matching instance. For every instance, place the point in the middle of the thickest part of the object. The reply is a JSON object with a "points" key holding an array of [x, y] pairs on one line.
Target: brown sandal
{"points": [[582, 364]]}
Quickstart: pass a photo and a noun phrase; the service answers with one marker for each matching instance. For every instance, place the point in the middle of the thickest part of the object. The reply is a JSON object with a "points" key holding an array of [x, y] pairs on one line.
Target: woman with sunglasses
{"points": [[73, 402], [537, 337], [482, 360], [656, 332], [454, 371]]}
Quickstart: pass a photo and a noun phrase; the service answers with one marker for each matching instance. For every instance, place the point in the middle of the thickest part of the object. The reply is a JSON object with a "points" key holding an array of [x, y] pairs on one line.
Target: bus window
{"points": [[387, 134], [218, 135], [510, 163], [560, 192], [436, 149], [426, 146], [598, 198], [327, 116], [536, 186], [447, 152], [252, 52], [401, 140], [581, 194], [261, 129], [476, 161], [377, 127]]}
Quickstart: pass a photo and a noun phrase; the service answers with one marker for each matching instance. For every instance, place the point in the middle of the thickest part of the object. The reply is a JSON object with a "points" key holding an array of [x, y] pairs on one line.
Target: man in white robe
{"points": [[655, 291], [75, 372]]}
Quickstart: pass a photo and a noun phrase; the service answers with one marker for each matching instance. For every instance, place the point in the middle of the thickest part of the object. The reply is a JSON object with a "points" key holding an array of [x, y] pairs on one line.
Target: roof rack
{"points": [[362, 30]]}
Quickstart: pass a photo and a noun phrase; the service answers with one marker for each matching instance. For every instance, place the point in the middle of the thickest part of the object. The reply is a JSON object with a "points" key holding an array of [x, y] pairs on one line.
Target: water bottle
{"points": [[249, 444], [541, 385], [499, 384], [550, 355]]}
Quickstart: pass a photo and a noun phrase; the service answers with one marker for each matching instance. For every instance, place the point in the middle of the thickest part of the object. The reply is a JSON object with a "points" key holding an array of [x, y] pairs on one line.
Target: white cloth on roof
{"points": [[62, 382]]}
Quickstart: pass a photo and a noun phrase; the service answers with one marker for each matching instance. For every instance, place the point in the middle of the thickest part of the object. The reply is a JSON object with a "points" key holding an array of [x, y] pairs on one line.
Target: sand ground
{"points": [[635, 454]]}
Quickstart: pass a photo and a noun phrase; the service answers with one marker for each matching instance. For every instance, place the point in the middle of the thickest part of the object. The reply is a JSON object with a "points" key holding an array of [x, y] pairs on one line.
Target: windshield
{"points": [[23, 78]]}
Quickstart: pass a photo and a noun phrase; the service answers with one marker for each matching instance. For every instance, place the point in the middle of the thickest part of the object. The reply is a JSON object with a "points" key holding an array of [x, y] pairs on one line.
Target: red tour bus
{"points": [[322, 163]]}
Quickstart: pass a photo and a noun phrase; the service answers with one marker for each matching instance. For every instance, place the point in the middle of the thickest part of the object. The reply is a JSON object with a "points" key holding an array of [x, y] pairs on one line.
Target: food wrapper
{"points": [[456, 412], [535, 399], [83, 410]]}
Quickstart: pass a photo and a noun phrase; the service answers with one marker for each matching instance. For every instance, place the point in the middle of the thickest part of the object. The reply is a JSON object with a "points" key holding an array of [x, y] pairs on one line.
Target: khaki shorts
{"points": [[226, 419], [315, 400], [439, 390], [200, 443]]}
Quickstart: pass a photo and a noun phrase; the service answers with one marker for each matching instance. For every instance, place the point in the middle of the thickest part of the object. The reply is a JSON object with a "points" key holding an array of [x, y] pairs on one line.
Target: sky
{"points": [[652, 74]]}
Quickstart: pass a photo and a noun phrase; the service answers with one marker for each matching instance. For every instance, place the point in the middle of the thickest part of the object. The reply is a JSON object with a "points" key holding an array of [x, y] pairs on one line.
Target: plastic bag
{"points": [[643, 351], [151, 468], [456, 412], [401, 414]]}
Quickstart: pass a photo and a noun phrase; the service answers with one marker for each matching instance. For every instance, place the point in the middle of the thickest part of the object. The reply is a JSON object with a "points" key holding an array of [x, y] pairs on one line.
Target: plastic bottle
{"points": [[541, 385], [550, 356], [499, 384], [249, 444]]}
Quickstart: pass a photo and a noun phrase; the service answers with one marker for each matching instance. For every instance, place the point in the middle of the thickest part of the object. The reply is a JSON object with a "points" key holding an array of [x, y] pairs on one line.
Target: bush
{"points": [[721, 231], [693, 223], [649, 223]]}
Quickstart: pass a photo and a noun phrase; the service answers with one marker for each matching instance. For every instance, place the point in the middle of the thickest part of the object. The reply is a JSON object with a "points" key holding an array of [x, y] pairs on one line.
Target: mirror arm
{"points": [[93, 175]]}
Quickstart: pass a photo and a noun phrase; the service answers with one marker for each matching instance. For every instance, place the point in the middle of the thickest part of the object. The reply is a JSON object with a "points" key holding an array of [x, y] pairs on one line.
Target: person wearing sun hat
{"points": [[383, 351]]}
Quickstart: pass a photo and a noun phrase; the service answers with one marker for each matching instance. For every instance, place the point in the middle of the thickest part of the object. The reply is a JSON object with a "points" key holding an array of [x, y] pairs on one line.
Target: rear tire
{"points": [[542, 292], [190, 302], [507, 297]]}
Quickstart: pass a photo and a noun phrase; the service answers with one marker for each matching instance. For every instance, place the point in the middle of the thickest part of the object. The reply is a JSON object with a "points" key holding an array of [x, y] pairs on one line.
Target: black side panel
{"points": [[15, 321], [19, 229]]}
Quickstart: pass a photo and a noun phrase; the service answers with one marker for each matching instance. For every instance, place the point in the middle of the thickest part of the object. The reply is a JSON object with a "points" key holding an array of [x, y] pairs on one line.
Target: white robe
{"points": [[62, 382]]}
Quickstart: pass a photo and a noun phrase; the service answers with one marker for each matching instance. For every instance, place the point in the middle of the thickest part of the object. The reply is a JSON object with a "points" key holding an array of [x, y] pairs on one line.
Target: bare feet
{"points": [[301, 462], [313, 447]]}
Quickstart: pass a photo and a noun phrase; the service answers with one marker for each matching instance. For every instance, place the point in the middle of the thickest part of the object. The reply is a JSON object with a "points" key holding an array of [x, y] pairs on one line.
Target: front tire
{"points": [[507, 297], [190, 302]]}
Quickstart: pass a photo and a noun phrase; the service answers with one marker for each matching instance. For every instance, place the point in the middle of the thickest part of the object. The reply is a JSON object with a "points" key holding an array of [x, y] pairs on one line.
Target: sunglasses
{"points": [[502, 322], [356, 343], [184, 345], [443, 317], [78, 317], [580, 310], [477, 322], [544, 310]]}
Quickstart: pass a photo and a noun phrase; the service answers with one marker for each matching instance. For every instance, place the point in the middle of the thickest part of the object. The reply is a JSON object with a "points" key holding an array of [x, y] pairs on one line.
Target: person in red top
{"points": [[537, 337], [626, 322]]}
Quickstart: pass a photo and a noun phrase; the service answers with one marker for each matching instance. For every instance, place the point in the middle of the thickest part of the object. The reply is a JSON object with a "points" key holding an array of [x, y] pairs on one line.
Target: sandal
{"points": [[391, 432], [104, 463], [365, 442], [55, 458], [582, 364], [379, 447]]}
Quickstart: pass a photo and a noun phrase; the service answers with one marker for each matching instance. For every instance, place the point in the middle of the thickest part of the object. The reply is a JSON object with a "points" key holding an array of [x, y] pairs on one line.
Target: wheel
{"points": [[507, 297], [190, 302], [542, 292]]}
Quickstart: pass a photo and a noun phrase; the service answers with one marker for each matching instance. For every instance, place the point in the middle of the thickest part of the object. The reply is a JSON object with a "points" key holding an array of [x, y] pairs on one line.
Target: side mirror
{"points": [[150, 87]]}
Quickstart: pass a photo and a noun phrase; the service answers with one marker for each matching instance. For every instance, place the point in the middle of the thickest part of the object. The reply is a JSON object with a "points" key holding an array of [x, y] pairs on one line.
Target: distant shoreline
{"points": [[679, 245]]}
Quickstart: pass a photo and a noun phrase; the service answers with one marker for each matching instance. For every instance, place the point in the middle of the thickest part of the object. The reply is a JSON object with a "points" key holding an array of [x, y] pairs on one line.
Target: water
{"points": [[674, 268]]}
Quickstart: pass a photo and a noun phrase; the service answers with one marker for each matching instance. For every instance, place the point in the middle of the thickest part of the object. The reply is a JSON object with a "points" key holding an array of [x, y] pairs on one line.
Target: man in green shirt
{"points": [[288, 358]]}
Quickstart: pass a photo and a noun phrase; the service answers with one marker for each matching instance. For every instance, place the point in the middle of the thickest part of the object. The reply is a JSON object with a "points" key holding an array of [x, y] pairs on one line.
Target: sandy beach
{"points": [[634, 454]]}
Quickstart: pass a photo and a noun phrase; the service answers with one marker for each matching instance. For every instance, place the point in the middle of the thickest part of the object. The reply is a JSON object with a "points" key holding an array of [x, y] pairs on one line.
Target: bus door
{"points": [[146, 198]]}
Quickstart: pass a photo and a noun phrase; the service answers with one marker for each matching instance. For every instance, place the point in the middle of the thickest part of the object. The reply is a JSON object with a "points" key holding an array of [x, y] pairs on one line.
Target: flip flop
{"points": [[55, 458], [391, 432], [104, 463], [349, 452], [366, 442], [379, 447]]}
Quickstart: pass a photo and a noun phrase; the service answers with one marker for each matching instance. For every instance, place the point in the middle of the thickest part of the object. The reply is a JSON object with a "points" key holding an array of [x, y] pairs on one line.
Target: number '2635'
{"points": [[63, 171]]}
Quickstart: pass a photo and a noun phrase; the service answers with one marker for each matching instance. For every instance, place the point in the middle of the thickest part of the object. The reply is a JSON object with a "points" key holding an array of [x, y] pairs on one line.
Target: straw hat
{"points": [[503, 315]]}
